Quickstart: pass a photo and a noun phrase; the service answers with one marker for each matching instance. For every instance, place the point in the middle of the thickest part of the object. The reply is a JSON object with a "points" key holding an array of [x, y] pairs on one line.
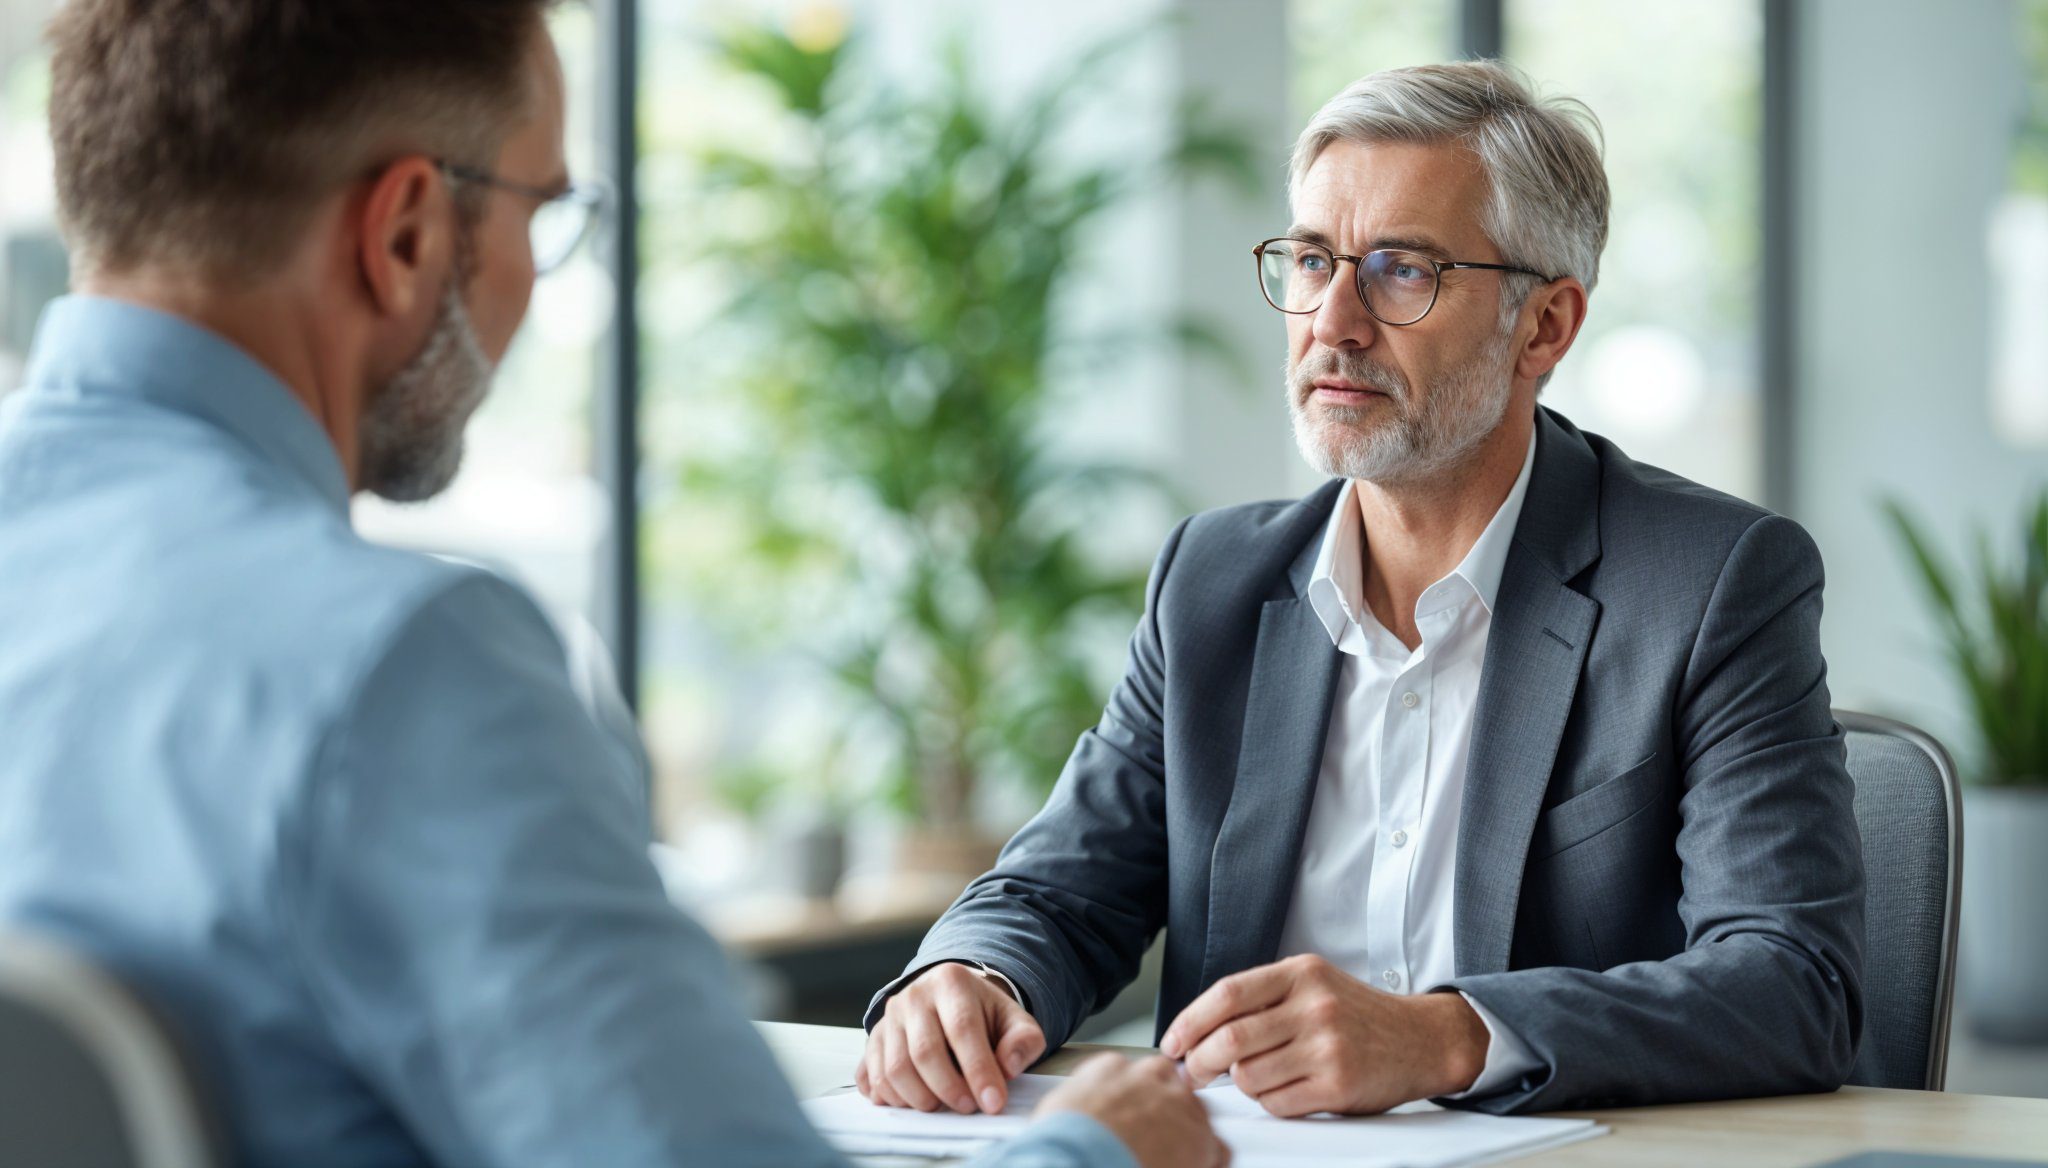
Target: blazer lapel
{"points": [[1534, 655], [1287, 716]]}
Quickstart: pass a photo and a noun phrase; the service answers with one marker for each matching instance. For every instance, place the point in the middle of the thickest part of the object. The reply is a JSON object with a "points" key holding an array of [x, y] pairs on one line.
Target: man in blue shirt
{"points": [[335, 808]]}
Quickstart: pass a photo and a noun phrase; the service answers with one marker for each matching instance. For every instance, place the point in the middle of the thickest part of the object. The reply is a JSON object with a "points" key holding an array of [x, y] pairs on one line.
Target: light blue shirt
{"points": [[335, 808]]}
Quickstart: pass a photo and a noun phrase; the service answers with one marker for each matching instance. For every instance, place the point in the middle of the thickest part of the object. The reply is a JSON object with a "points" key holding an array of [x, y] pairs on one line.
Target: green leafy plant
{"points": [[895, 502], [1995, 631], [2029, 168]]}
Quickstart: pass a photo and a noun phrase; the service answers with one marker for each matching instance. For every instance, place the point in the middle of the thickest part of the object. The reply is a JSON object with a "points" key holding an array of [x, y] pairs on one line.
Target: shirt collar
{"points": [[95, 346], [1337, 587]]}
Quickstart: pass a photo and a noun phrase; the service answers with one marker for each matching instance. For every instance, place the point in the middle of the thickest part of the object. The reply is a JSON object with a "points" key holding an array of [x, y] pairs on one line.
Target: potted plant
{"points": [[1994, 627], [799, 826], [889, 492]]}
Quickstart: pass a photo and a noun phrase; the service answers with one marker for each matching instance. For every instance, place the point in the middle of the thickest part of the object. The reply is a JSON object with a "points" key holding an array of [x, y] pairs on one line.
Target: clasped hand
{"points": [[1301, 1036]]}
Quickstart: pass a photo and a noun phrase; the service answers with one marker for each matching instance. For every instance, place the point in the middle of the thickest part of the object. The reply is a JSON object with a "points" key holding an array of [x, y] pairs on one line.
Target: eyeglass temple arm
{"points": [[1500, 268]]}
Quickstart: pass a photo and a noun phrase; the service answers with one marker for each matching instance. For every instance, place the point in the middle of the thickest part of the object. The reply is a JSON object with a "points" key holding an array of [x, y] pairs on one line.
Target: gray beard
{"points": [[1422, 440], [411, 437]]}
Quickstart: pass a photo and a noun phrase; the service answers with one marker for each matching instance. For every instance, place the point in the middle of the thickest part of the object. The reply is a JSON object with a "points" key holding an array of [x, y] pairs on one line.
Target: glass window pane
{"points": [[1338, 41], [33, 270], [1667, 365]]}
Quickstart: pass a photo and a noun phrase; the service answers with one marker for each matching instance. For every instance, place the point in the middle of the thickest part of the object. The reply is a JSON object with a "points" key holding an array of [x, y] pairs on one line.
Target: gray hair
{"points": [[1542, 157]]}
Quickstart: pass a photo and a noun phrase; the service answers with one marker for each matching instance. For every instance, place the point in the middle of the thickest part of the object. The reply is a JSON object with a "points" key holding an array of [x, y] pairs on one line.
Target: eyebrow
{"points": [[1415, 243]]}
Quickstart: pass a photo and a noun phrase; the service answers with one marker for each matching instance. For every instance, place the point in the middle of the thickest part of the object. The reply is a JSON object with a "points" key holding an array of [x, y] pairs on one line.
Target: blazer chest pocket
{"points": [[1593, 811]]}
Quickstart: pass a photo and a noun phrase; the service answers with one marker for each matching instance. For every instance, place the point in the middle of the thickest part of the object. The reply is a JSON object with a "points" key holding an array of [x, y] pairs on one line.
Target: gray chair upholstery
{"points": [[87, 1077], [1909, 811]]}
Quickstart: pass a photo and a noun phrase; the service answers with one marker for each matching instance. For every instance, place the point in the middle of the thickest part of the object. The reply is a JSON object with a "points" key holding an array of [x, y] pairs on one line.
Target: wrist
{"points": [[1462, 1042], [997, 978]]}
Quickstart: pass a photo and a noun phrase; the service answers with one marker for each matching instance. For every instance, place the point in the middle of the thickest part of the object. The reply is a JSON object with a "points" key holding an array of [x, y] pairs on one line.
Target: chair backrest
{"points": [[87, 1076], [1909, 811]]}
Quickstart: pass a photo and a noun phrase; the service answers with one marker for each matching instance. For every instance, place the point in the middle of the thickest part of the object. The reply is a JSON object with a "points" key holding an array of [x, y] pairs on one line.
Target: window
{"points": [[1337, 42], [33, 270], [1668, 364]]}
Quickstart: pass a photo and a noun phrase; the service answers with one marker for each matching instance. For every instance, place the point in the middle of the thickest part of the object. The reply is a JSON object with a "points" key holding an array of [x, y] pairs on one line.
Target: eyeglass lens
{"points": [[559, 227], [1398, 286]]}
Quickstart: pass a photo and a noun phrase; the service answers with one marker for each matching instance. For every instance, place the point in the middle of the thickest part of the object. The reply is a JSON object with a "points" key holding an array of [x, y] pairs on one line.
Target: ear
{"points": [[405, 230], [1558, 309]]}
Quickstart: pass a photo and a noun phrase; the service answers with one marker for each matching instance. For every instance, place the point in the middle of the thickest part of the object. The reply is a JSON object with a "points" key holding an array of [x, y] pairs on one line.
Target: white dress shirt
{"points": [[1374, 894]]}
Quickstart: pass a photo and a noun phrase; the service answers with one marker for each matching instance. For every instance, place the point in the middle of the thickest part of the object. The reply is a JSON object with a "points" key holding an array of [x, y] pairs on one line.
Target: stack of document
{"points": [[1419, 1135]]}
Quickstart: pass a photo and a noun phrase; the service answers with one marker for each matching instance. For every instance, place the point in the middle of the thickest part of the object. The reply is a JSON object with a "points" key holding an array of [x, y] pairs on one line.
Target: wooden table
{"points": [[825, 958], [1749, 1133]]}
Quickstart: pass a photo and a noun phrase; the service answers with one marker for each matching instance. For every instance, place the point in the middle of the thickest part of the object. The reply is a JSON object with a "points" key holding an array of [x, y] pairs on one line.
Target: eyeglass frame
{"points": [[1438, 268], [596, 197]]}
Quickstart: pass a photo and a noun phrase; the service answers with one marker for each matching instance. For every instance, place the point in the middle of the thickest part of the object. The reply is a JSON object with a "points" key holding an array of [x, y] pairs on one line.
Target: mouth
{"points": [[1338, 392]]}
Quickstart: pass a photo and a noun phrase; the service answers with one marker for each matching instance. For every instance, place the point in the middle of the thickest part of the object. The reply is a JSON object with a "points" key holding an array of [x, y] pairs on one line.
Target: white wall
{"points": [[1907, 107]]}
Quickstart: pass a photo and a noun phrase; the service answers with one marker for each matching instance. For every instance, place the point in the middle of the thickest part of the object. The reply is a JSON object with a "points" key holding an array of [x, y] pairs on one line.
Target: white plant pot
{"points": [[2003, 965]]}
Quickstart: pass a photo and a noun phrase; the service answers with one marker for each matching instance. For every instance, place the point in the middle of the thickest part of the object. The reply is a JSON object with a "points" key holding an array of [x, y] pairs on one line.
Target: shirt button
{"points": [[1400, 839], [1392, 979], [1409, 699]]}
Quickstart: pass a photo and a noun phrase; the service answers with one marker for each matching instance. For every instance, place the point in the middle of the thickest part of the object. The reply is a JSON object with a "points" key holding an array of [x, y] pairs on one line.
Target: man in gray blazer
{"points": [[1498, 770]]}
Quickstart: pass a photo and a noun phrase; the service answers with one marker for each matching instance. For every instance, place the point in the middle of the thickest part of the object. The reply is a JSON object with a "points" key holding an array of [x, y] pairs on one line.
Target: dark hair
{"points": [[204, 132]]}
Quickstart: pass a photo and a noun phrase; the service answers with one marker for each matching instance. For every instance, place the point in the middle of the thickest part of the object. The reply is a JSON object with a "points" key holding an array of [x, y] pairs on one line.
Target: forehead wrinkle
{"points": [[1392, 195]]}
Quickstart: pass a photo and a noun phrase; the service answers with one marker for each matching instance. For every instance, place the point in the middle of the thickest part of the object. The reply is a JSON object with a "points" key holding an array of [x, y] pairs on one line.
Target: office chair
{"points": [[1909, 812], [87, 1077]]}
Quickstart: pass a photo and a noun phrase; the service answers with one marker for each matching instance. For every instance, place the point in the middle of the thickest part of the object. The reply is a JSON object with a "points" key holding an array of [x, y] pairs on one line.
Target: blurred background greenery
{"points": [[892, 502]]}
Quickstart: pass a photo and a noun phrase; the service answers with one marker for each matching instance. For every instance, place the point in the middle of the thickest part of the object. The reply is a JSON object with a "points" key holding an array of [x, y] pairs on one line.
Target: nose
{"points": [[1342, 321]]}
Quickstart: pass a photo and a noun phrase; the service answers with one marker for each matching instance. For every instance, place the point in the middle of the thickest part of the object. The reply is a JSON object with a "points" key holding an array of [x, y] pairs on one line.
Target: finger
{"points": [[1097, 1067], [1238, 994], [903, 1075], [933, 1057], [871, 1068], [1274, 1069], [886, 1096], [860, 1075], [876, 1084], [1236, 1040], [967, 1033], [1296, 1099], [1021, 1042], [1167, 1073]]}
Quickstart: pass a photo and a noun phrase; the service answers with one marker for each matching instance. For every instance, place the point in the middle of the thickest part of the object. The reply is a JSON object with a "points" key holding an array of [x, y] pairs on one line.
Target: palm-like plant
{"points": [[895, 262], [1995, 632]]}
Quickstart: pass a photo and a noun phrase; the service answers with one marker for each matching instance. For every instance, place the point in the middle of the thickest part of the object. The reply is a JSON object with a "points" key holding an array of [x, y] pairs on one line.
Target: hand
{"points": [[1302, 1036], [1147, 1106], [951, 1038]]}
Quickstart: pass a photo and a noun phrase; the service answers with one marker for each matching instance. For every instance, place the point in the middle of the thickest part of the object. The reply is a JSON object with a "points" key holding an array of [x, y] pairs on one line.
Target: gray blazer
{"points": [[1659, 882]]}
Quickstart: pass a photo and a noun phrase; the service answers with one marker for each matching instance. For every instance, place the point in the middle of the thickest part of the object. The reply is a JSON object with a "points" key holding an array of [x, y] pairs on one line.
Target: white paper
{"points": [[1418, 1135]]}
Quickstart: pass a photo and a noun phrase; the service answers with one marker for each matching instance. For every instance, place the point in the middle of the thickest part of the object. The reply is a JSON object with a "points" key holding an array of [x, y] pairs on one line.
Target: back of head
{"points": [[201, 134], [1549, 204]]}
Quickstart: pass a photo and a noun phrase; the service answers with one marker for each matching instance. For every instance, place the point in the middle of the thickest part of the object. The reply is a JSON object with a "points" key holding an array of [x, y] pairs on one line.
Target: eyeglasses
{"points": [[1398, 287], [560, 224]]}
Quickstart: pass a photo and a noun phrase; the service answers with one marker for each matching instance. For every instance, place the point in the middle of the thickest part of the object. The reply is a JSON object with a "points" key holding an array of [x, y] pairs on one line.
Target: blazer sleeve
{"points": [[1766, 997], [1078, 894]]}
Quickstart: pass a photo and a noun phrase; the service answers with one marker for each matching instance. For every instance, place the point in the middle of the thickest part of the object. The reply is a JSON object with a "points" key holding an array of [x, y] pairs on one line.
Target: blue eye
{"points": [[1408, 272], [1313, 263]]}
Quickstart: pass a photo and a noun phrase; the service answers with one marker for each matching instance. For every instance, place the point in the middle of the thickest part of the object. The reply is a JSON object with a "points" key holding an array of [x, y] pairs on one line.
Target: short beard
{"points": [[411, 437], [1422, 440]]}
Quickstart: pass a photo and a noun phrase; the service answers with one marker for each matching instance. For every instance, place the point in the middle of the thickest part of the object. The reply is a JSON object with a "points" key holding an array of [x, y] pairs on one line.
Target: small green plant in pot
{"points": [[891, 495], [1994, 627]]}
